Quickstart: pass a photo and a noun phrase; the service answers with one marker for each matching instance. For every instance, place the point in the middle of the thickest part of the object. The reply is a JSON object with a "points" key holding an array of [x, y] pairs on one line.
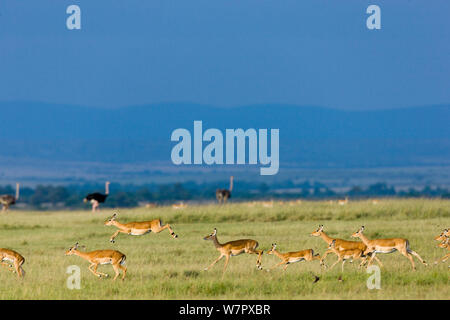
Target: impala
{"points": [[349, 254], [267, 204], [387, 246], [444, 244], [340, 244], [343, 202], [234, 248], [137, 228], [292, 257], [113, 257], [178, 206], [11, 256]]}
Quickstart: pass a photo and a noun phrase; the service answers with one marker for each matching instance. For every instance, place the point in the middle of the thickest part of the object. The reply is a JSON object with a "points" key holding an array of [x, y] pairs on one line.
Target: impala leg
{"points": [[363, 261], [343, 262], [277, 265], [215, 261], [18, 269], [259, 253], [116, 270], [379, 261], [335, 263], [324, 256], [406, 254], [94, 271], [99, 274], [443, 259], [124, 270], [316, 257], [161, 228], [417, 256], [371, 259], [22, 272], [227, 259], [113, 237]]}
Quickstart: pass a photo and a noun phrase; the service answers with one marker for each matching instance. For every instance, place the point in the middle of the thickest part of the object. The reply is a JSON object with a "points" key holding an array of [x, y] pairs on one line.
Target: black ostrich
{"points": [[6, 199], [222, 195], [96, 198]]}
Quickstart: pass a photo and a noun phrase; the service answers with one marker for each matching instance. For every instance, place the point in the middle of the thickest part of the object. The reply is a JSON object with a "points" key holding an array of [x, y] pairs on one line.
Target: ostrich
{"points": [[97, 198], [222, 195], [6, 199]]}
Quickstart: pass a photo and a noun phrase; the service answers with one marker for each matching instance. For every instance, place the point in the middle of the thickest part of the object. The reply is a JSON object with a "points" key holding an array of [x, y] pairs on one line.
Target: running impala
{"points": [[234, 248], [11, 256], [340, 244], [292, 257], [445, 244], [387, 246], [113, 257], [137, 228], [349, 254]]}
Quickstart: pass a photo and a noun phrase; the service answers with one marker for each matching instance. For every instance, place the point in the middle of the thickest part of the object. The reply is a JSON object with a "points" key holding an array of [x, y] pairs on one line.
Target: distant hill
{"points": [[309, 136]]}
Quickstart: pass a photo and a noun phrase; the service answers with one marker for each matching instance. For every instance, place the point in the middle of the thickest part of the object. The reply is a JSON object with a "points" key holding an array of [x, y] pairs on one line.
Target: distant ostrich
{"points": [[6, 199], [222, 195], [97, 198]]}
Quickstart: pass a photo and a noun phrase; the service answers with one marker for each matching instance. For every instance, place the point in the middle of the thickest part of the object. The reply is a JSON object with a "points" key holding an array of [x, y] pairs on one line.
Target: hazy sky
{"points": [[226, 52]]}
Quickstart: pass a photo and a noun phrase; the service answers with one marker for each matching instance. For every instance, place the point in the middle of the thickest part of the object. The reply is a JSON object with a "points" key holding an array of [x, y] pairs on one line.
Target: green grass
{"points": [[160, 267]]}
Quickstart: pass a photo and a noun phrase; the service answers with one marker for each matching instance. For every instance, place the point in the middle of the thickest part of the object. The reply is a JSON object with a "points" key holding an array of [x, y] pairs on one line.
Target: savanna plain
{"points": [[160, 267]]}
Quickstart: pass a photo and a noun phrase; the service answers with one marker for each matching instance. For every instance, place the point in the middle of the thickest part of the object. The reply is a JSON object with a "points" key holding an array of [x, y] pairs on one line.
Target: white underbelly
{"points": [[236, 253], [8, 259], [137, 232], [293, 260], [385, 249]]}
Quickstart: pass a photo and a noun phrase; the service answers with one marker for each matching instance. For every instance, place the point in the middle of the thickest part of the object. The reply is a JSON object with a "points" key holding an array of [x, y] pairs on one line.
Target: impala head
{"points": [[111, 220], [444, 243], [358, 233], [318, 232], [441, 237], [211, 236], [274, 247], [72, 250]]}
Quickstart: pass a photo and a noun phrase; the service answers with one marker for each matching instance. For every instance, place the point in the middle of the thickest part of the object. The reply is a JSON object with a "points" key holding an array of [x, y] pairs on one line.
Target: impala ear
{"points": [[362, 228], [215, 231], [76, 245]]}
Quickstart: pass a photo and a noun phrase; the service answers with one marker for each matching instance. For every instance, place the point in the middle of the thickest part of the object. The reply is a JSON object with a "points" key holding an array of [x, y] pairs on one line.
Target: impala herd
{"points": [[364, 250]]}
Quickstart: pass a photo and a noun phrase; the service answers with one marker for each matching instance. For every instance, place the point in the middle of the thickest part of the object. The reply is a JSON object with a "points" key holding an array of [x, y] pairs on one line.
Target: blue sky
{"points": [[226, 53]]}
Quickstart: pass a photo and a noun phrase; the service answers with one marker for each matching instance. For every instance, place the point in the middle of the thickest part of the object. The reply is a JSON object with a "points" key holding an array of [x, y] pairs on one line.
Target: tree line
{"points": [[71, 196]]}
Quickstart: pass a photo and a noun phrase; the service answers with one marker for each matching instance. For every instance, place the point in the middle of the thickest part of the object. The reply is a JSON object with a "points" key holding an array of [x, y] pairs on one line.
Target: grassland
{"points": [[160, 267]]}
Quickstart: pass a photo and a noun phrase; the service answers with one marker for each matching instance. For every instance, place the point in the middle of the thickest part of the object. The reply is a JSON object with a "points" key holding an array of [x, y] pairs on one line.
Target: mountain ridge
{"points": [[308, 134]]}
